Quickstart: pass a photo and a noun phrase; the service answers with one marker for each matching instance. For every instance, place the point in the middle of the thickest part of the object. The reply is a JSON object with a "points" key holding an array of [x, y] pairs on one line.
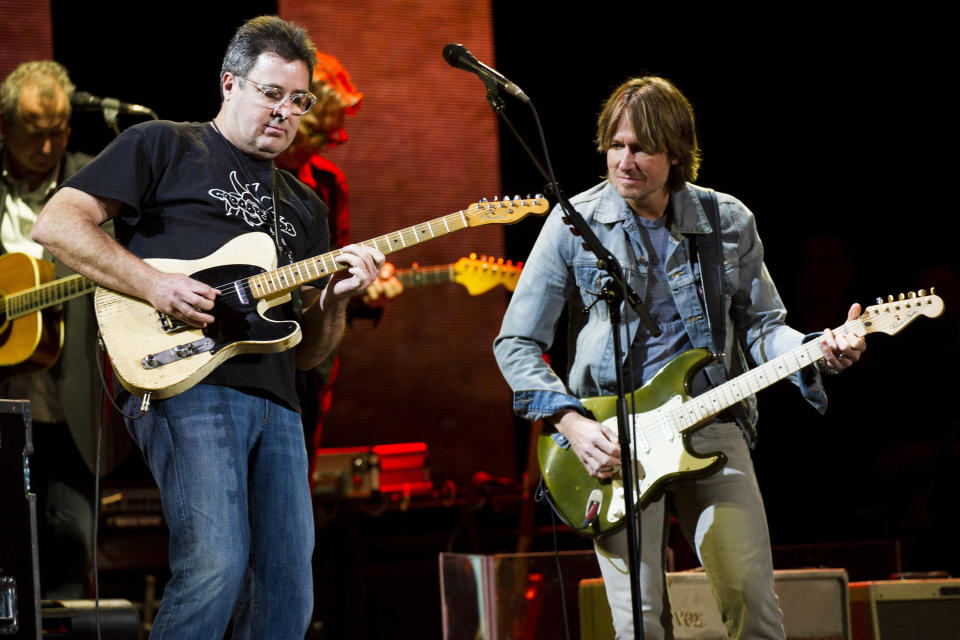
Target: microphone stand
{"points": [[614, 292]]}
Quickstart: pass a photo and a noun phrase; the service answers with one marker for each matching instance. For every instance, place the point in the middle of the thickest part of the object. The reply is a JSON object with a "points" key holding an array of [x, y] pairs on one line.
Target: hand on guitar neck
{"points": [[839, 352]]}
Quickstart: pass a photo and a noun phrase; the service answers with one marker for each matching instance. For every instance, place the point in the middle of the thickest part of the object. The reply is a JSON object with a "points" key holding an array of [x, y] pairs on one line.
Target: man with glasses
{"points": [[228, 454]]}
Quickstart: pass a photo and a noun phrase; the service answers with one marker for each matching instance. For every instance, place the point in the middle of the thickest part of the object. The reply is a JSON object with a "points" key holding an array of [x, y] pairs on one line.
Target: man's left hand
{"points": [[363, 267], [839, 352]]}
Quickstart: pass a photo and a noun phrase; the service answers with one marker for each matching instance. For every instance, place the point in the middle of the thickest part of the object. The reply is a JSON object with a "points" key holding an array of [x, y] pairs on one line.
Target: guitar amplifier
{"points": [[358, 472], [813, 601], [905, 609], [19, 566]]}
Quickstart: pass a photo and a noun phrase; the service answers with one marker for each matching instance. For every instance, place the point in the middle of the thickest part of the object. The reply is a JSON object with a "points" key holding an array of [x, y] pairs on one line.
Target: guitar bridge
{"points": [[177, 353], [169, 324]]}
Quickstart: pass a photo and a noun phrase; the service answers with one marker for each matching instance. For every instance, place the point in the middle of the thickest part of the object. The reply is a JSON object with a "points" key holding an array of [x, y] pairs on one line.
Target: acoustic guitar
{"points": [[31, 325]]}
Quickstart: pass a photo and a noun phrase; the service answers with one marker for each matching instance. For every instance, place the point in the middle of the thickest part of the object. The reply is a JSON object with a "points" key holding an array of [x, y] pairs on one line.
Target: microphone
{"points": [[83, 101], [460, 57]]}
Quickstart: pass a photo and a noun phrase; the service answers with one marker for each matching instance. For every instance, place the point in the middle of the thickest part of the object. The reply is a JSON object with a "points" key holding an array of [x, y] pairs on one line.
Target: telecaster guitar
{"points": [[665, 417], [153, 353], [31, 333], [478, 275]]}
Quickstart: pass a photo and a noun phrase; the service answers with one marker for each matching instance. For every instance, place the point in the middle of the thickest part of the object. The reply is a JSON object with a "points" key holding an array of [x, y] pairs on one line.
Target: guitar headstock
{"points": [[481, 274], [894, 314], [505, 211]]}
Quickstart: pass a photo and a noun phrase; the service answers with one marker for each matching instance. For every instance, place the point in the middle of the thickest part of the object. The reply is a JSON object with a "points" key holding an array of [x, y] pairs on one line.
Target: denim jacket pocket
{"points": [[590, 281]]}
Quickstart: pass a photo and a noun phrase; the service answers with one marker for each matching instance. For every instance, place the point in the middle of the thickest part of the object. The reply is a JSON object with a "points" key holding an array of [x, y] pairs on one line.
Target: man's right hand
{"points": [[183, 298], [595, 444]]}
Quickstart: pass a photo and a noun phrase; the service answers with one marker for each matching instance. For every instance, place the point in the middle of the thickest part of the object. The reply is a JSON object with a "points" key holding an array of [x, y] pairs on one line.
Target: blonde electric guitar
{"points": [[477, 275], [666, 416], [31, 330], [152, 352]]}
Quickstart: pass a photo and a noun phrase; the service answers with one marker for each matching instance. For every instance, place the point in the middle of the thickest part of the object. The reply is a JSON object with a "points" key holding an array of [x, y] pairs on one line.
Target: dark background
{"points": [[835, 129]]}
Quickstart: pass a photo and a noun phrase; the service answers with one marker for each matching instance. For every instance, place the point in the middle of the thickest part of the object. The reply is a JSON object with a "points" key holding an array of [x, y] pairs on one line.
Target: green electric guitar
{"points": [[666, 416]]}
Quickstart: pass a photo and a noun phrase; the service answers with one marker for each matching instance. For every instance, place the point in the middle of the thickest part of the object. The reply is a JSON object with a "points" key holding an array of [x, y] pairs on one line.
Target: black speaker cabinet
{"points": [[19, 569], [905, 609]]}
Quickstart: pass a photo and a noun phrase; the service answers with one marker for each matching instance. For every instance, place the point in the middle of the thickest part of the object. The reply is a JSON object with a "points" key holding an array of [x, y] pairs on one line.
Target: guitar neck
{"points": [[46, 295], [696, 410], [285, 279], [426, 275]]}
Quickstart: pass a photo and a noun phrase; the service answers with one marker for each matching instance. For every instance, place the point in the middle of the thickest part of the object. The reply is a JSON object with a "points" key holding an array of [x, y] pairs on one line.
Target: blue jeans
{"points": [[232, 473]]}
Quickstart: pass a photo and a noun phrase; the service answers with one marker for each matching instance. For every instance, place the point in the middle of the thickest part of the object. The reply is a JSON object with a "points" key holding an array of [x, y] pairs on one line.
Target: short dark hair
{"points": [[661, 118], [267, 34]]}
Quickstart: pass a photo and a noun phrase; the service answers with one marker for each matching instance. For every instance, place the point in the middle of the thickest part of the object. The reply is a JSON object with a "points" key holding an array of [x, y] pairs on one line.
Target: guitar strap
{"points": [[710, 256]]}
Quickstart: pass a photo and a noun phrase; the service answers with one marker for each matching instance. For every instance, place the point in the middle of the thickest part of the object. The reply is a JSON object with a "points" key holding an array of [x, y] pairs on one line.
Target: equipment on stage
{"points": [[459, 56], [154, 354], [905, 609], [31, 332], [111, 107], [360, 472], [666, 417], [478, 275], [814, 604], [19, 565]]}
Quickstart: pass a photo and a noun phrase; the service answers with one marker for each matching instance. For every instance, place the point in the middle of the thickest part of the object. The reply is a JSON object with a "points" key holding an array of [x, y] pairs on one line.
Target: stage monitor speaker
{"points": [[813, 601], [905, 609], [19, 568], [514, 595]]}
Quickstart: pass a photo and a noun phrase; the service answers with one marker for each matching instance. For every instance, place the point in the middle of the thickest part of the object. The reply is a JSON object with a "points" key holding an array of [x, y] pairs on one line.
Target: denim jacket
{"points": [[558, 264]]}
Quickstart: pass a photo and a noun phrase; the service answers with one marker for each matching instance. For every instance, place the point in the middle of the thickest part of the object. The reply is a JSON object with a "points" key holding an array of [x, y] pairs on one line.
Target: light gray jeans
{"points": [[723, 519]]}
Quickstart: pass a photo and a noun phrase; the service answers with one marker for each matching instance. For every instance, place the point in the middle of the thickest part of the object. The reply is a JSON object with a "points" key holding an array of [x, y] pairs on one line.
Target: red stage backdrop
{"points": [[422, 145], [25, 34]]}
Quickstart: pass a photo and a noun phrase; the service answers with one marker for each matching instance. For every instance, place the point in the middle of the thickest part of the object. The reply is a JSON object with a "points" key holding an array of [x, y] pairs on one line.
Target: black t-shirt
{"points": [[186, 191]]}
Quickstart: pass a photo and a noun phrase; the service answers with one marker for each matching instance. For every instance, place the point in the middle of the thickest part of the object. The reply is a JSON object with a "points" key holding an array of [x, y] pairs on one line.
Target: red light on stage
{"points": [[533, 585]]}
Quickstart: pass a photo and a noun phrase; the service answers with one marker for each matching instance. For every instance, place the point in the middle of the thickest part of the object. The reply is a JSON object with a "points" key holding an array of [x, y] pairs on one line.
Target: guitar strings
{"points": [[648, 423], [229, 293]]}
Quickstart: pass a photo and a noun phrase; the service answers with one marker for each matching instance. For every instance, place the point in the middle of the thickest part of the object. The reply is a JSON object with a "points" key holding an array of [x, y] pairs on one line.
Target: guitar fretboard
{"points": [[708, 404], [287, 278], [46, 295]]}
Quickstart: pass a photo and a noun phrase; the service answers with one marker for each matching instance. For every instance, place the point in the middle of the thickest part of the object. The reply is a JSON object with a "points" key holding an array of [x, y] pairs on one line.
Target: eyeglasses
{"points": [[273, 97]]}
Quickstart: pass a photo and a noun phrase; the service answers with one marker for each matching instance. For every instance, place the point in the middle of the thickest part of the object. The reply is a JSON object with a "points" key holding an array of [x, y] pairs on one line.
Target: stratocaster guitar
{"points": [[478, 275], [153, 353], [666, 416], [30, 337]]}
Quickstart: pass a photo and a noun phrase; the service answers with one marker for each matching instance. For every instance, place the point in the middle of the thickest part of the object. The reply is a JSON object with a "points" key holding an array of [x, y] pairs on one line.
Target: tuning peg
{"points": [[879, 300], [519, 265], [473, 256], [890, 298], [922, 293], [933, 290], [509, 263], [901, 297], [499, 260], [911, 295], [516, 197]]}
